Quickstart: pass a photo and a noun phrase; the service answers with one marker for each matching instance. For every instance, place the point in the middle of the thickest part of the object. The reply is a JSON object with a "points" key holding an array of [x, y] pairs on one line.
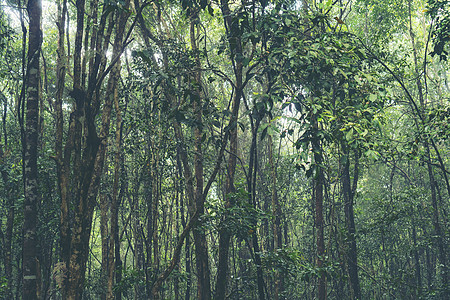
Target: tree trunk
{"points": [[30, 151], [440, 234], [138, 243], [7, 239], [64, 227], [154, 213], [116, 264], [276, 211], [318, 207], [224, 234], [416, 259], [252, 167], [104, 208], [8, 249], [348, 191], [442, 254], [201, 245], [86, 166]]}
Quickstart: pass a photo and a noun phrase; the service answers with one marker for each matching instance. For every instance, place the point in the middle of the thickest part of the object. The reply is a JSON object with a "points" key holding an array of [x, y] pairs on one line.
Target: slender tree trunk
{"points": [[148, 198], [187, 253], [224, 234], [416, 260], [429, 266], [30, 150], [196, 191], [187, 256], [89, 149], [440, 238], [115, 267], [201, 245], [138, 244], [276, 211], [6, 247], [348, 191], [104, 208], [252, 191], [442, 254], [318, 207], [64, 227], [154, 213]]}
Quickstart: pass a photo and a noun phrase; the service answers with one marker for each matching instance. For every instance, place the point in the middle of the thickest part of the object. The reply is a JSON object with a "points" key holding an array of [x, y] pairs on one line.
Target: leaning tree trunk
{"points": [[30, 151]]}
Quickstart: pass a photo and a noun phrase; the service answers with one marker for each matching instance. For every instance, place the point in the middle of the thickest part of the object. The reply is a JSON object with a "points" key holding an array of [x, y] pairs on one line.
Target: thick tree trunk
{"points": [[71, 145], [30, 150]]}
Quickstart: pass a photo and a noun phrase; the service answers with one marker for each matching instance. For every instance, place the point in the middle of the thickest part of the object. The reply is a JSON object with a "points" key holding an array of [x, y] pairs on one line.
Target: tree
{"points": [[31, 268], [225, 149], [80, 162]]}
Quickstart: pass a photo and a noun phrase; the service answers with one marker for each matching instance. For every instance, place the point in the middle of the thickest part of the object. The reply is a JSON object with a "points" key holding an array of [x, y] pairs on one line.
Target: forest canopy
{"points": [[224, 149]]}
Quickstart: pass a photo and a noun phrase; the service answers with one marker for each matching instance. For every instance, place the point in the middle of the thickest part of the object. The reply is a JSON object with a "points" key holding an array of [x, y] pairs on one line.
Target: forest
{"points": [[224, 149]]}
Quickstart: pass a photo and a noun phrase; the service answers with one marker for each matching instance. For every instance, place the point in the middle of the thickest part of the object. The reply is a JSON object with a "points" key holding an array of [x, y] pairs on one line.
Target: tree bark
{"points": [[30, 150]]}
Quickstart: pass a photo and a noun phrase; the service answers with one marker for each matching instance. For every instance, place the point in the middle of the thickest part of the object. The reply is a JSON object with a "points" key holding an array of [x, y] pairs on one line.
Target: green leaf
{"points": [[349, 135], [263, 133]]}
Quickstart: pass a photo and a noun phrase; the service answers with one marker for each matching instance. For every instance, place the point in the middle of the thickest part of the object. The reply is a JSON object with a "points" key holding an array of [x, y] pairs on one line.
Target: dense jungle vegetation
{"points": [[224, 149]]}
